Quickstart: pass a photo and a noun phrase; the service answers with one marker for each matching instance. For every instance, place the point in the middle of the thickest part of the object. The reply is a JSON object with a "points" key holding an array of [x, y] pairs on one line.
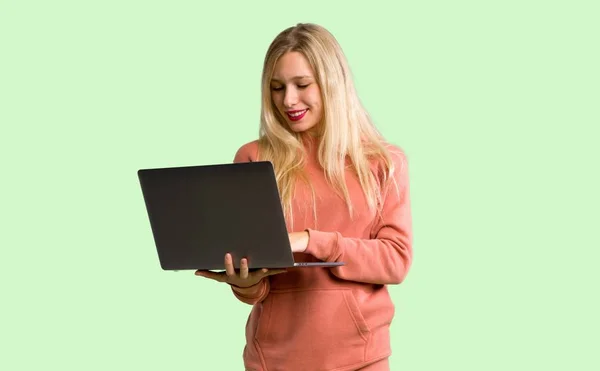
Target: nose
{"points": [[290, 98]]}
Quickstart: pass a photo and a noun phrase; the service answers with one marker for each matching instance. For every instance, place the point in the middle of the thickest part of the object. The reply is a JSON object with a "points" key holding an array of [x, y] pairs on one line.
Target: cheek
{"points": [[315, 100], [315, 97], [277, 100]]}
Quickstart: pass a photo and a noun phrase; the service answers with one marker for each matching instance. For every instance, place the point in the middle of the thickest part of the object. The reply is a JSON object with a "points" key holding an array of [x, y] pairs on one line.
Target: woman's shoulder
{"points": [[397, 155], [394, 165], [248, 152], [394, 150]]}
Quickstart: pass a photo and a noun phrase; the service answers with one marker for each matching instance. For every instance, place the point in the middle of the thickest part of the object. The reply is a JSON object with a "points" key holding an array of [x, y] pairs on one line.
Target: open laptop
{"points": [[199, 213]]}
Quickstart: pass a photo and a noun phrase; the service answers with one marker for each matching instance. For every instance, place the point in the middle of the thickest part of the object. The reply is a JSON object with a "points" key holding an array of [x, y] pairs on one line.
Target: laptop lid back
{"points": [[199, 213]]}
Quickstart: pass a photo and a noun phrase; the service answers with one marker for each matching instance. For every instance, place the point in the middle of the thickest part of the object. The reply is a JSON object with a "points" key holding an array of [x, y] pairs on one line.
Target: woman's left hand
{"points": [[299, 241]]}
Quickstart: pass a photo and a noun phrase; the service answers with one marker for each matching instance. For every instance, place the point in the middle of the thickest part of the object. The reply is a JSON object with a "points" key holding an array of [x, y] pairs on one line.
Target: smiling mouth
{"points": [[296, 115]]}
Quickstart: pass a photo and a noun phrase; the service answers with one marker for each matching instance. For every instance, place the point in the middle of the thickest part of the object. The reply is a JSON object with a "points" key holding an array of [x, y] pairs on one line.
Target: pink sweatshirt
{"points": [[332, 318]]}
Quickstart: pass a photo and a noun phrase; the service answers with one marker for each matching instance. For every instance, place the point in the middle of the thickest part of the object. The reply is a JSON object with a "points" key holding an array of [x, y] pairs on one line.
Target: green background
{"points": [[496, 104]]}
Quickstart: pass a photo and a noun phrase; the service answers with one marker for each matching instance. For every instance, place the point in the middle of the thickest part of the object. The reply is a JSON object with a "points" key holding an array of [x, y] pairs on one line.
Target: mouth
{"points": [[296, 115]]}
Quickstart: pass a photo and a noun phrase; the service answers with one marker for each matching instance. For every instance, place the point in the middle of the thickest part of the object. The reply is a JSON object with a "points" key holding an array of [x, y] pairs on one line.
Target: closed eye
{"points": [[278, 88]]}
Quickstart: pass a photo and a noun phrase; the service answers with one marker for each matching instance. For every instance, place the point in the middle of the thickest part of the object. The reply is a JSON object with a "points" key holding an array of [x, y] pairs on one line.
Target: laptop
{"points": [[198, 214]]}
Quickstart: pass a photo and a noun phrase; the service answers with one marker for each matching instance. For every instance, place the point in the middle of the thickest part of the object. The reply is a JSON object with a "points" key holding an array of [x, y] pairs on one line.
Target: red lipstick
{"points": [[296, 115]]}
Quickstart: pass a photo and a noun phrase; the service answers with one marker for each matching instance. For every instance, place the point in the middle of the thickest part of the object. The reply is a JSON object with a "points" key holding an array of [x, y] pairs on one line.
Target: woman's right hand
{"points": [[244, 278]]}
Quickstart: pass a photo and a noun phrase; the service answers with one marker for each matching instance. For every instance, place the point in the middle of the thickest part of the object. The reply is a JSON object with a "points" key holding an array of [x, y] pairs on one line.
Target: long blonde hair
{"points": [[346, 130]]}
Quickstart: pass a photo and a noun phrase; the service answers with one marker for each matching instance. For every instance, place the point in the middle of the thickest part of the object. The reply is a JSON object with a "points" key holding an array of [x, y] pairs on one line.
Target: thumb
{"points": [[274, 271]]}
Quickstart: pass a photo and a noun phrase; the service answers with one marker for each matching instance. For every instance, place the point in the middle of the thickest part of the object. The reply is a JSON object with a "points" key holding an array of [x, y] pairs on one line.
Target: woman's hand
{"points": [[243, 278], [299, 241]]}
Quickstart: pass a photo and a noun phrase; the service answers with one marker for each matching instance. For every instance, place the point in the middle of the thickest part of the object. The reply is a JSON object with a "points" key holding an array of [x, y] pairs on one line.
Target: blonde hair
{"points": [[346, 131]]}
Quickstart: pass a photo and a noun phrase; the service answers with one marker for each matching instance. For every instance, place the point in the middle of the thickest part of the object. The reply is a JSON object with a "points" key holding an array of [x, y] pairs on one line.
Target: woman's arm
{"points": [[387, 256]]}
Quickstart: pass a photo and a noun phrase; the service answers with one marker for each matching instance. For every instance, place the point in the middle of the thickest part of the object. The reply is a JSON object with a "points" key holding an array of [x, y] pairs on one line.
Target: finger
{"points": [[229, 265], [244, 268], [217, 276]]}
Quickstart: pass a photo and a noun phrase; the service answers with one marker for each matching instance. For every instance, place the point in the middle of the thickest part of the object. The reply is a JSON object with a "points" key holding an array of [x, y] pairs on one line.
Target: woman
{"points": [[345, 194]]}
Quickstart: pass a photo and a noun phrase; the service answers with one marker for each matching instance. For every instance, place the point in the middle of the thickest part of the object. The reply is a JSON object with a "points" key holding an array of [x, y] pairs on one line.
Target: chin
{"points": [[300, 128]]}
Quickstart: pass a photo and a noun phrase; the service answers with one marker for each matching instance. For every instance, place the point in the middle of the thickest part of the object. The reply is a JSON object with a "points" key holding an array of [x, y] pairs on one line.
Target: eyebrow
{"points": [[293, 78]]}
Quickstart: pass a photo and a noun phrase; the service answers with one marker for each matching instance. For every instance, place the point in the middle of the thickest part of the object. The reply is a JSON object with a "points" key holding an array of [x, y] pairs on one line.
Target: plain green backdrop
{"points": [[495, 102]]}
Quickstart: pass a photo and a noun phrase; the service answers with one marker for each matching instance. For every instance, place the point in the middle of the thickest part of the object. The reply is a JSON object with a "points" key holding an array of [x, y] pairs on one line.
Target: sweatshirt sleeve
{"points": [[386, 257], [254, 294], [257, 293]]}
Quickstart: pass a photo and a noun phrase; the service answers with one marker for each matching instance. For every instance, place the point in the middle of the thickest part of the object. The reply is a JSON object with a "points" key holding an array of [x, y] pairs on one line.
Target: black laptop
{"points": [[199, 213]]}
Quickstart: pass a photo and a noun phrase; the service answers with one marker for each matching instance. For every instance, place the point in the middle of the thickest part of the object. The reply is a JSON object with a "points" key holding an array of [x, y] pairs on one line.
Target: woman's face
{"points": [[295, 92]]}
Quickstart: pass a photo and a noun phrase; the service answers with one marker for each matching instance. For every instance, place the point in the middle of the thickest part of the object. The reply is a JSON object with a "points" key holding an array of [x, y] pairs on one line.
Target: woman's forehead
{"points": [[292, 66]]}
